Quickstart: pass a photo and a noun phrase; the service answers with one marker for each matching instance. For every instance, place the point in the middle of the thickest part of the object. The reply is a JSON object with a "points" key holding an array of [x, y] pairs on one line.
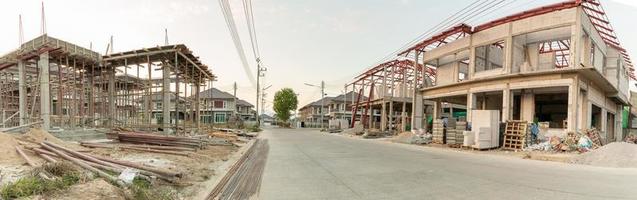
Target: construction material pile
{"points": [[515, 134], [162, 140], [616, 154], [581, 141], [99, 165], [411, 138], [631, 139], [438, 131], [455, 138]]}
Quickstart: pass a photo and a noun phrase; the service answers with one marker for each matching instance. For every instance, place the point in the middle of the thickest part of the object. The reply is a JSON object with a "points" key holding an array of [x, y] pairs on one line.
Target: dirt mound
{"points": [[39, 135], [7, 148], [616, 154]]}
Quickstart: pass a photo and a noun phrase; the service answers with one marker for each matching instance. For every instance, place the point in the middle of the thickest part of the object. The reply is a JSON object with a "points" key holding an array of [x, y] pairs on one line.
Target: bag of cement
{"points": [[128, 175]]}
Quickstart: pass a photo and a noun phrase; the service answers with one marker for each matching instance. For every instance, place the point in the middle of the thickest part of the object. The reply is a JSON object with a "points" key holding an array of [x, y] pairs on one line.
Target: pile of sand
{"points": [[7, 148], [39, 135], [404, 137], [616, 154]]}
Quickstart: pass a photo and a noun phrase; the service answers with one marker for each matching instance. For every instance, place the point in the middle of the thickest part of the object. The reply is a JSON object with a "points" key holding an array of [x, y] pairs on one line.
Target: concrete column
{"points": [[197, 110], [22, 88], [437, 109], [111, 97], [618, 124], [604, 122], [391, 114], [417, 112], [506, 104], [383, 117], [527, 106], [573, 94], [471, 104], [45, 98], [166, 123]]}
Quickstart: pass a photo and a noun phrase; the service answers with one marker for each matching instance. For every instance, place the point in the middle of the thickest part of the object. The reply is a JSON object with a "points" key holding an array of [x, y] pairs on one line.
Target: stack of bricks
{"points": [[438, 131], [461, 126]]}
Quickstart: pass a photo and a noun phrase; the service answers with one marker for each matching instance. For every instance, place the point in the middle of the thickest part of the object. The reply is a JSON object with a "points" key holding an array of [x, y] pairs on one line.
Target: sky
{"points": [[301, 41]]}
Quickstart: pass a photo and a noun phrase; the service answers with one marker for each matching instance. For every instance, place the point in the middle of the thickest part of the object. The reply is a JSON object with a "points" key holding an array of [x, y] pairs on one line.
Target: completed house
{"points": [[218, 106]]}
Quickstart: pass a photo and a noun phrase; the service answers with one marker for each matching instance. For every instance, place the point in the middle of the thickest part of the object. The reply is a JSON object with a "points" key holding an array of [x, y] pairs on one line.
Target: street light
{"points": [[322, 98]]}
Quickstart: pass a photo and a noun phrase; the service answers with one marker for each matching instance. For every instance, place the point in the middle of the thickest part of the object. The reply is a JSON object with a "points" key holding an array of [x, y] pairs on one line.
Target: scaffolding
{"points": [[68, 86]]}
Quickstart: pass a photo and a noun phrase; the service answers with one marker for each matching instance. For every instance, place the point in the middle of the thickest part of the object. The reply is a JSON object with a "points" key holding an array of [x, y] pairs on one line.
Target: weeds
{"points": [[254, 128], [142, 189], [33, 184]]}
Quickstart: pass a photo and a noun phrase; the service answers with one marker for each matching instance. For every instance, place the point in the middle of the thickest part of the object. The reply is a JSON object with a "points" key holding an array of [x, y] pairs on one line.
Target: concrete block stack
{"points": [[451, 136], [461, 126], [438, 131]]}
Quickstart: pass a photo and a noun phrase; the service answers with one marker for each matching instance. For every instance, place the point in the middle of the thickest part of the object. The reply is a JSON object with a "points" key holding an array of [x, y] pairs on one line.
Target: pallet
{"points": [[515, 135], [455, 145]]}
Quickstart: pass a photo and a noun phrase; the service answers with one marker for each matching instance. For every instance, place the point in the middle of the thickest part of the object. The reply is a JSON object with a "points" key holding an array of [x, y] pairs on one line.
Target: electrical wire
{"points": [[247, 8], [476, 6], [232, 28]]}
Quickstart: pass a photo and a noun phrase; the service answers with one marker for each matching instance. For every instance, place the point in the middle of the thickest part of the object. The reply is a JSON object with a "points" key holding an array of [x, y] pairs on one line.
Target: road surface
{"points": [[307, 164]]}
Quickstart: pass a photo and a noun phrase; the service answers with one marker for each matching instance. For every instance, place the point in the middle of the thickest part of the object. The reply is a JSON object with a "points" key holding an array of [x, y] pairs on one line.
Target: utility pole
{"points": [[259, 74], [322, 99], [322, 102], [263, 95], [235, 97]]}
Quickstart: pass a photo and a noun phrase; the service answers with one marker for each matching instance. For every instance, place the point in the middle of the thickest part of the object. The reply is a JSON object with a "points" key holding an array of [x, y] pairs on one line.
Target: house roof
{"points": [[325, 100], [241, 102], [214, 93], [347, 97]]}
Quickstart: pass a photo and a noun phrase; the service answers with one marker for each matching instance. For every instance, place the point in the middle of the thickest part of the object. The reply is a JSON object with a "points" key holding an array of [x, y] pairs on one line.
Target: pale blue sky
{"points": [[301, 41]]}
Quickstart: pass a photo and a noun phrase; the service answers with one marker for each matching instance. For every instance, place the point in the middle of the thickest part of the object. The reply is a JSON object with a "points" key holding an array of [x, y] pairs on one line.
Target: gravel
{"points": [[616, 154]]}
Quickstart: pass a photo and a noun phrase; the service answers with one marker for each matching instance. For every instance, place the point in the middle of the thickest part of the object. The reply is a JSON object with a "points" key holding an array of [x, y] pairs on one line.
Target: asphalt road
{"points": [[306, 164]]}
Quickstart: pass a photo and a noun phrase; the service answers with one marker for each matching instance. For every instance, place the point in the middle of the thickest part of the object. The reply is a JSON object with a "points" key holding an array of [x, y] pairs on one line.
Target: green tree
{"points": [[285, 101]]}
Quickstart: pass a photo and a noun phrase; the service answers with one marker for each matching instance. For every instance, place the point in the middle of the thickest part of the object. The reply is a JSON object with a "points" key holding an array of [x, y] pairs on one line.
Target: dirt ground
{"points": [[94, 189], [196, 168]]}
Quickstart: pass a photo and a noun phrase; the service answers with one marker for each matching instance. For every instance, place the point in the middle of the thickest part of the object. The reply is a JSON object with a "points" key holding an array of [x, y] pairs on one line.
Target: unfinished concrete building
{"points": [[560, 63], [389, 88], [60, 84]]}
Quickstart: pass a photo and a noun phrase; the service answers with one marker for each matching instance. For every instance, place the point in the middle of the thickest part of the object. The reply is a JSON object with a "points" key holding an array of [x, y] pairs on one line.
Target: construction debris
{"points": [[410, 138]]}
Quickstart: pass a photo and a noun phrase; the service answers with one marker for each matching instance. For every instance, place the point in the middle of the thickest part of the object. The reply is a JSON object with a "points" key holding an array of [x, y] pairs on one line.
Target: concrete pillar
{"points": [[383, 117], [506, 104], [604, 122], [471, 105], [166, 123], [527, 106], [45, 98], [573, 94], [111, 97], [391, 114], [619, 130], [22, 88], [437, 109], [197, 110], [417, 112]]}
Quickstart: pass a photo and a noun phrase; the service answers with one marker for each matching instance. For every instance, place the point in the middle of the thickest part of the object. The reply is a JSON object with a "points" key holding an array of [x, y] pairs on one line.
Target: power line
{"points": [[467, 13], [232, 28], [247, 8]]}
